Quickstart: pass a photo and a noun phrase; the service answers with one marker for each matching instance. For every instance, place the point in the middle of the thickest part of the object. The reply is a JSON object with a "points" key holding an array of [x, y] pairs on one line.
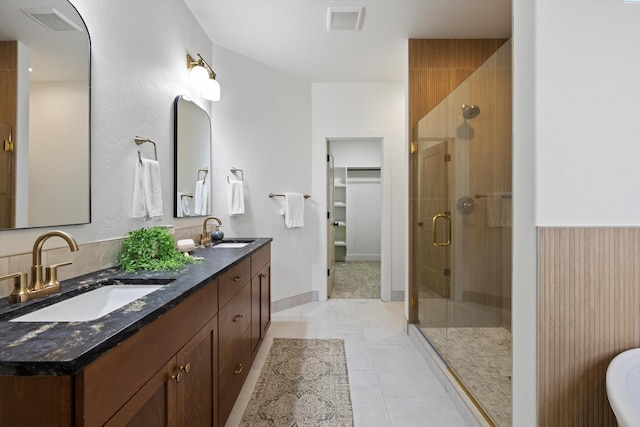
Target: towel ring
{"points": [[234, 170], [205, 170], [140, 140]]}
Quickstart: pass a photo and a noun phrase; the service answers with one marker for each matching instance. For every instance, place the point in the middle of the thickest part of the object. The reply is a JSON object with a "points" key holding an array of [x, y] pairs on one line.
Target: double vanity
{"points": [[175, 351]]}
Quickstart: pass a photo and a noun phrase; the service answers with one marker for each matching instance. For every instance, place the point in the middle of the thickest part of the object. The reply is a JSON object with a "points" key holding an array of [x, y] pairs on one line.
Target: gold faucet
{"points": [[205, 237], [37, 287]]}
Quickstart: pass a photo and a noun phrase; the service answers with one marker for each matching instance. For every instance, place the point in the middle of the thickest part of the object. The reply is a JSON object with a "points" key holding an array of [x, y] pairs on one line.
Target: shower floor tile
{"points": [[481, 359]]}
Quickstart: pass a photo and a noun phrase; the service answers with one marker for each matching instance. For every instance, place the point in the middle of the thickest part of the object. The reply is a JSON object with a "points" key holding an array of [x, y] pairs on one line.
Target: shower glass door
{"points": [[461, 234], [434, 239]]}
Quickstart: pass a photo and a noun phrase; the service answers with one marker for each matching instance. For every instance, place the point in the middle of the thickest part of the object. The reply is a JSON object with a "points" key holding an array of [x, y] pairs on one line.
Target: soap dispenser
{"points": [[217, 234]]}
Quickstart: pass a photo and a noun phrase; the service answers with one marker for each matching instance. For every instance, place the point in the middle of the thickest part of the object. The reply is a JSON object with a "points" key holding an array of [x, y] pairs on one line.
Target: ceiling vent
{"points": [[51, 19], [344, 18]]}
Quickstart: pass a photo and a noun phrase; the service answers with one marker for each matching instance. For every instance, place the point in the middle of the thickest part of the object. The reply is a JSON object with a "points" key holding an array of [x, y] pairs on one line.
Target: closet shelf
{"points": [[340, 243], [340, 204]]}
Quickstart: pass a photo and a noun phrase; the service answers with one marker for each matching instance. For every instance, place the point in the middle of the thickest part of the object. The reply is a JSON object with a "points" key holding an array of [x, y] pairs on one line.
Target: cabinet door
{"points": [[256, 305], [179, 394], [265, 299], [153, 404], [195, 399], [260, 306]]}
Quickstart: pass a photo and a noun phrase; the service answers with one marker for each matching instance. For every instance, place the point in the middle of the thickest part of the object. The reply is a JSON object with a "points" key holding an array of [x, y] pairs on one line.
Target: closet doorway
{"points": [[355, 218]]}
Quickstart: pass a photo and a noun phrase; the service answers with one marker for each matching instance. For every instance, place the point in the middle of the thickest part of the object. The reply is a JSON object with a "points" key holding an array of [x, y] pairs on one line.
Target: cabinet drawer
{"points": [[232, 376], [233, 280], [233, 321], [260, 258]]}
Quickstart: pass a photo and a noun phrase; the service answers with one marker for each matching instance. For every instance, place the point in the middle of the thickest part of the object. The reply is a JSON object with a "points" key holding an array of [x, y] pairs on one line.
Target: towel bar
{"points": [[503, 196], [306, 196]]}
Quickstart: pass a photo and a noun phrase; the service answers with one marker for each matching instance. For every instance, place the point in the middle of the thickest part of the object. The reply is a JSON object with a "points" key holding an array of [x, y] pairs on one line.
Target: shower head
{"points": [[470, 111]]}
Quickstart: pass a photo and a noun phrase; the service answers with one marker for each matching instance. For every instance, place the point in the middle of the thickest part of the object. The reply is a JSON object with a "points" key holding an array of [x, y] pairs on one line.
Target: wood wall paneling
{"points": [[589, 311], [8, 105], [437, 66]]}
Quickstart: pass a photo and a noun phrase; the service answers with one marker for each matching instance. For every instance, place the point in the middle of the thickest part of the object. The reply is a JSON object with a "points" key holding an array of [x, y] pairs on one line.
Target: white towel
{"points": [[499, 209], [293, 210], [200, 199], [235, 197], [147, 194], [183, 205]]}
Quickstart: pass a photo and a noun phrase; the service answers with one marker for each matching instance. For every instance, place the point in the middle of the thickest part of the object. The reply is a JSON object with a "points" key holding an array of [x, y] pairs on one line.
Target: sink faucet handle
{"points": [[20, 292], [51, 273]]}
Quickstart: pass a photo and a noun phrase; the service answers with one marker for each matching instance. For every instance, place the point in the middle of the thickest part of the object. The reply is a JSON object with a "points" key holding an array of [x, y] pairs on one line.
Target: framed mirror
{"points": [[192, 138], [44, 115]]}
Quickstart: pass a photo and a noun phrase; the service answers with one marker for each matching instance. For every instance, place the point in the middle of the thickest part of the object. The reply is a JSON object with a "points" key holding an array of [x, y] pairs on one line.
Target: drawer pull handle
{"points": [[177, 377], [186, 368], [238, 278], [239, 369], [237, 318]]}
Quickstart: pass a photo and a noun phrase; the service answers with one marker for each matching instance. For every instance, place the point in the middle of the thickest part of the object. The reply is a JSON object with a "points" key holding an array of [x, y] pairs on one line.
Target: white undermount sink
{"points": [[231, 245], [623, 387], [90, 305]]}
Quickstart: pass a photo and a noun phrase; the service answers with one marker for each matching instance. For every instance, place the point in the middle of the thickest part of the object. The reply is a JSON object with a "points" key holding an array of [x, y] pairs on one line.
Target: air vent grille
{"points": [[51, 19], [344, 18]]}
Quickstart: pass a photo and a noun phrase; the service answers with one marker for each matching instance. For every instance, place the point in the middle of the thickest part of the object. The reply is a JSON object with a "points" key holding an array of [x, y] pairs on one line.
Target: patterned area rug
{"points": [[303, 382]]}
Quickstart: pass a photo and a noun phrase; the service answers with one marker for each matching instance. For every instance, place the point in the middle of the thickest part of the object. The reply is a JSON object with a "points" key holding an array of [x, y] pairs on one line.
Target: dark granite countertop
{"points": [[64, 348]]}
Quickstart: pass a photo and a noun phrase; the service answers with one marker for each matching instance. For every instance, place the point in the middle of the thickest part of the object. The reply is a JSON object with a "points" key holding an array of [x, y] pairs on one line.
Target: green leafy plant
{"points": [[151, 249]]}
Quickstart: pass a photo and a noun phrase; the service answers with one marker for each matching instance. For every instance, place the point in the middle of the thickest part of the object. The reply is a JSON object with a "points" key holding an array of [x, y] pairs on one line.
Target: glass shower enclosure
{"points": [[461, 233]]}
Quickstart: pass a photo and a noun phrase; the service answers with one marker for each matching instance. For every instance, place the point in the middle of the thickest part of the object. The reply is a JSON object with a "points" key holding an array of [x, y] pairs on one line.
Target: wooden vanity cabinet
{"points": [[260, 296], [162, 375], [186, 368]]}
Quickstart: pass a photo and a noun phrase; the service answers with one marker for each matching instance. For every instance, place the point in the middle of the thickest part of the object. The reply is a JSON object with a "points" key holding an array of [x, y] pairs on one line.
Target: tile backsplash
{"points": [[91, 257]]}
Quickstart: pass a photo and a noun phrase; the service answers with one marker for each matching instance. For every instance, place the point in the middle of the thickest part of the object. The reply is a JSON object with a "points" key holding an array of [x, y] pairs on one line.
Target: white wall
{"points": [[138, 67], [524, 245], [20, 135], [586, 71], [364, 219], [262, 125], [575, 142], [356, 153], [364, 110], [58, 195]]}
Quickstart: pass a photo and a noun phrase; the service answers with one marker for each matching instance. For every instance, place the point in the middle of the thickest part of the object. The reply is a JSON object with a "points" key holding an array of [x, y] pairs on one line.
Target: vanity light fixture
{"points": [[203, 77]]}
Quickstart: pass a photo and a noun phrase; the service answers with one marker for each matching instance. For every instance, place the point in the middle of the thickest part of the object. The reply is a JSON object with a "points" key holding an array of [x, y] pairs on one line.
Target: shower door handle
{"points": [[434, 228]]}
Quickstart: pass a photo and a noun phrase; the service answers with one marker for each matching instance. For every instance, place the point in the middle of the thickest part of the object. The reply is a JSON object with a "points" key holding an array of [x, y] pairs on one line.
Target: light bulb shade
{"points": [[198, 77], [211, 90]]}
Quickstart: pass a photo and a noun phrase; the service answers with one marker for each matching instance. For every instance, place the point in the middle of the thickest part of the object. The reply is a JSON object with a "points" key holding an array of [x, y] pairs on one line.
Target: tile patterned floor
{"points": [[391, 384], [357, 279], [481, 358]]}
